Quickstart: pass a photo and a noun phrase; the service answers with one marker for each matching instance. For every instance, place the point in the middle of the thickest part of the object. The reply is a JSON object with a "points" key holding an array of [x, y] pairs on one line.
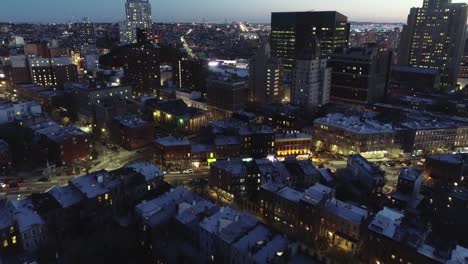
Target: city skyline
{"points": [[168, 11]]}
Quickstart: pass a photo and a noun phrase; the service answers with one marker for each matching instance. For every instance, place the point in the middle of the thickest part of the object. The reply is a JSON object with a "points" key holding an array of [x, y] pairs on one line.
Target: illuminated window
{"points": [[5, 243], [106, 196], [13, 240], [149, 187]]}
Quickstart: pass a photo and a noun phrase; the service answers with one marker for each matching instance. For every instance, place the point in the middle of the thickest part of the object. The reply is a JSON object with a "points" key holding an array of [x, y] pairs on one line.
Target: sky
{"points": [[197, 10]]}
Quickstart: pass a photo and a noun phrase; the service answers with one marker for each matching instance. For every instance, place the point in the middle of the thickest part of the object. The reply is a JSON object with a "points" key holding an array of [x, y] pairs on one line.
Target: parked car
{"points": [[14, 184], [44, 179], [189, 171]]}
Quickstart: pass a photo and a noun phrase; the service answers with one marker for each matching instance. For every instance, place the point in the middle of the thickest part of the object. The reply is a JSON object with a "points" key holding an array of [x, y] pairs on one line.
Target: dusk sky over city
{"points": [[233, 131], [211, 10]]}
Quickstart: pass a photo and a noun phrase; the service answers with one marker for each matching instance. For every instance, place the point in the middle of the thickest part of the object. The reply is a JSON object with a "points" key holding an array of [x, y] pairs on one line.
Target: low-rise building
{"points": [[258, 141], [349, 134], [46, 96], [227, 147], [32, 230], [179, 227], [132, 132], [85, 96], [61, 145], [430, 134], [369, 175], [311, 214], [408, 192], [176, 114], [447, 168], [171, 151], [293, 144], [234, 178], [11, 112], [393, 238], [9, 239]]}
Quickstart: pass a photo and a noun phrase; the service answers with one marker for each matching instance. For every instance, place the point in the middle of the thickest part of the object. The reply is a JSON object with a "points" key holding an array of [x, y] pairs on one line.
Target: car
{"points": [[3, 185], [189, 171], [175, 172], [14, 184], [44, 179]]}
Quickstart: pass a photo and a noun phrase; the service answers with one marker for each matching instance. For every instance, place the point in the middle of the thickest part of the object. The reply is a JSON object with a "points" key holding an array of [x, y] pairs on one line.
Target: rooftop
{"points": [[147, 169], [290, 194], [364, 124], [255, 129], [451, 158], [364, 163], [225, 141], [195, 211], [66, 196], [235, 167], [317, 193], [177, 108], [346, 211], [298, 136], [229, 224], [162, 208], [171, 141], [273, 171], [55, 132], [131, 121], [92, 185], [410, 174], [25, 216], [386, 222]]}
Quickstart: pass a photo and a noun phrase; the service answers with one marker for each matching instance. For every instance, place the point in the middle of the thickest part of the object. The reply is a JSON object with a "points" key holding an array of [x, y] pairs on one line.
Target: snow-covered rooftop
{"points": [[194, 211], [163, 207], [66, 196], [386, 222], [290, 194], [235, 167], [25, 216], [147, 169], [315, 194], [346, 210], [229, 224], [356, 124], [91, 185], [170, 141]]}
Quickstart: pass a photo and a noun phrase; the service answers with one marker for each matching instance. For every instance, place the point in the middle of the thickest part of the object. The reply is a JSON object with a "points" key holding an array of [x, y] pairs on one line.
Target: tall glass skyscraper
{"points": [[138, 17], [433, 39], [292, 31]]}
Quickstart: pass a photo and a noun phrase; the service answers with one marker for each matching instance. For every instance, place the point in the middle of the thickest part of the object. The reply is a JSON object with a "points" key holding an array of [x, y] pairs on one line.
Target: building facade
{"points": [[433, 39], [266, 73], [291, 32], [359, 75], [138, 16]]}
